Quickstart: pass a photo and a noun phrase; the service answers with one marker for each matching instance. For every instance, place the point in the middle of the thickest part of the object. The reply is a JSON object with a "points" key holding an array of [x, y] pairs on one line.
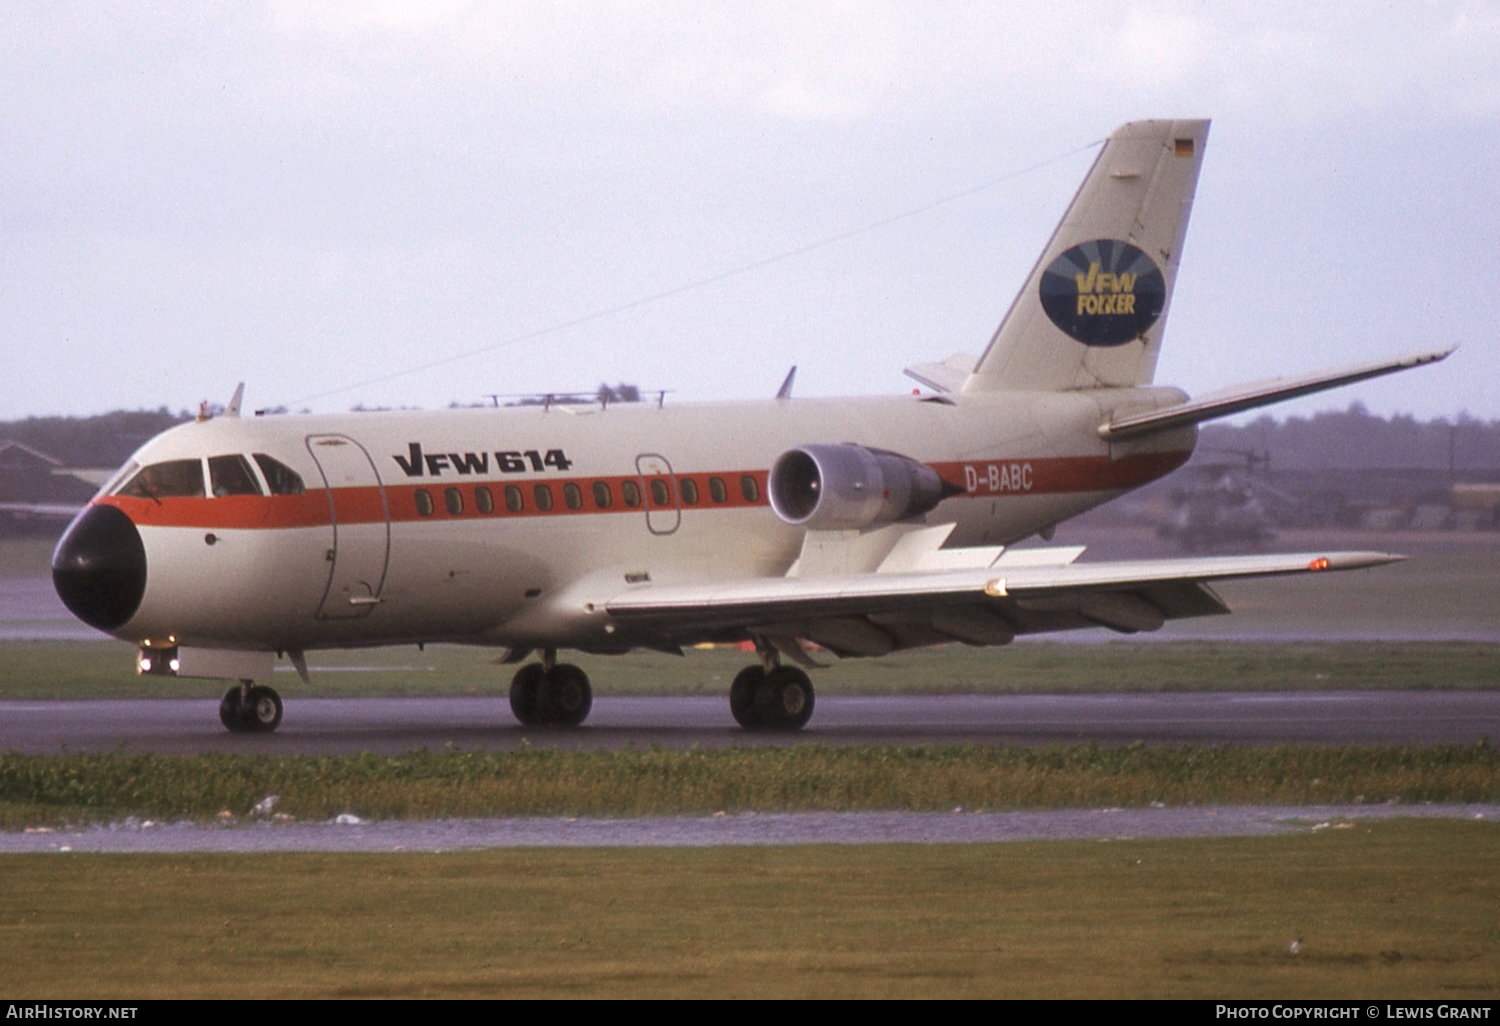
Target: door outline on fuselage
{"points": [[361, 548], [650, 466]]}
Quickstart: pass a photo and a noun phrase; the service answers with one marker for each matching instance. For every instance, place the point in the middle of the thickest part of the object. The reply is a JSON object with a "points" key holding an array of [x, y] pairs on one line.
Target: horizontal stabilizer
{"points": [[1262, 393], [948, 376]]}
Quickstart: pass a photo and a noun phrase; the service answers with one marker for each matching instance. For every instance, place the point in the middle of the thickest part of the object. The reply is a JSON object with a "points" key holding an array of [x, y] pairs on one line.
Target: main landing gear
{"points": [[250, 708], [767, 697], [778, 698], [551, 694]]}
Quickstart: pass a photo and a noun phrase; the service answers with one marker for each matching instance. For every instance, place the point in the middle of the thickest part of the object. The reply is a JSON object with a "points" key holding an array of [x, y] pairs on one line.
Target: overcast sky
{"points": [[317, 197]]}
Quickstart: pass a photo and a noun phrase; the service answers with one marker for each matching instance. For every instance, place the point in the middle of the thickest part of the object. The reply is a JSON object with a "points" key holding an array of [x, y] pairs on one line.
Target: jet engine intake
{"points": [[848, 487]]}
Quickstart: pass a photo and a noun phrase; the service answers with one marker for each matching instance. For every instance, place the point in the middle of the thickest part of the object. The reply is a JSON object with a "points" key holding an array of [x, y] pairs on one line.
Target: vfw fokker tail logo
{"points": [[1103, 293]]}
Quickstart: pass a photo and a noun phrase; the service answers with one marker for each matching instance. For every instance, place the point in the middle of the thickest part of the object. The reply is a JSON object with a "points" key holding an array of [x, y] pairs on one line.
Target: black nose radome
{"points": [[99, 568]]}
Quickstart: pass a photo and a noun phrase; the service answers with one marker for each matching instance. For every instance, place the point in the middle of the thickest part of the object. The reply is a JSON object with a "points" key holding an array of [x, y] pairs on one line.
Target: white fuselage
{"points": [[392, 540]]}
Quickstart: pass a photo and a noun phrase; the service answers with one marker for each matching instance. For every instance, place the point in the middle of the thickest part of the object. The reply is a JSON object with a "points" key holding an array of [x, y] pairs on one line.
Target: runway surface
{"points": [[396, 725]]}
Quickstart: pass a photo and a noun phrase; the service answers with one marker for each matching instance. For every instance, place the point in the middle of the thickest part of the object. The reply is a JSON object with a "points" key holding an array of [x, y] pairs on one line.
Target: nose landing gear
{"points": [[249, 708]]}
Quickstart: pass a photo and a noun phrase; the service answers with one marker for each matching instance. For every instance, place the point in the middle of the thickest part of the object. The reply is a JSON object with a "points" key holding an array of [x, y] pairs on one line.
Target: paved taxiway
{"points": [[396, 725]]}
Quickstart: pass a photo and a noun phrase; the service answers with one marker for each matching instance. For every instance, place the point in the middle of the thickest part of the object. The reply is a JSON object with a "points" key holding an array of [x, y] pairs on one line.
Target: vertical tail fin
{"points": [[1093, 308]]}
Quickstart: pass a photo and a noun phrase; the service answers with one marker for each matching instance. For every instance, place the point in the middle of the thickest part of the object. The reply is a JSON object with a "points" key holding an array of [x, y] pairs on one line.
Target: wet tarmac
{"points": [[956, 827]]}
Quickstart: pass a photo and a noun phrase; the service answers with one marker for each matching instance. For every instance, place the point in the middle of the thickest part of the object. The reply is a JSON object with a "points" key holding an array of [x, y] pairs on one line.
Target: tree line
{"points": [[1353, 438], [1356, 439]]}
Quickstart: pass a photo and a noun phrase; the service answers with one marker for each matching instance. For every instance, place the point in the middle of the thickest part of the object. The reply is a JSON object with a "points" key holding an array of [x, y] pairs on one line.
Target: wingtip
{"points": [[1353, 560], [1431, 356]]}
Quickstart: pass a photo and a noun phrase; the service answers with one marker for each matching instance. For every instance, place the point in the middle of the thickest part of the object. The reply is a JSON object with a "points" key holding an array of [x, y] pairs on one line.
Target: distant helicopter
{"points": [[1226, 505]]}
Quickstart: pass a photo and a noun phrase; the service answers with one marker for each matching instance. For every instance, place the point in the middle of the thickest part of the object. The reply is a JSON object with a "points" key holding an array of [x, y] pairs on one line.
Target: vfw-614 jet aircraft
{"points": [[863, 526]]}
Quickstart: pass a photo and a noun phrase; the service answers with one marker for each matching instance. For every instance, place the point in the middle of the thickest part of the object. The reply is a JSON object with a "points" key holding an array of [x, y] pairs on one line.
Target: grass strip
{"points": [[81, 788], [1383, 910], [31, 670]]}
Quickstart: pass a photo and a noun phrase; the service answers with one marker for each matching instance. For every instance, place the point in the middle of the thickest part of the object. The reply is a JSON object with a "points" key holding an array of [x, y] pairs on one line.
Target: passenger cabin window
{"points": [[514, 500], [717, 489], [603, 497], [170, 480], [424, 502], [572, 496], [749, 488], [484, 500], [631, 493], [454, 500], [231, 475], [543, 495], [280, 478], [689, 491], [660, 493]]}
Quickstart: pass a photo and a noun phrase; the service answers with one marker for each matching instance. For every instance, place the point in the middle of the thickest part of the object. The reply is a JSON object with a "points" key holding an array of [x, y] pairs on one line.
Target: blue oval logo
{"points": [[1103, 293]]}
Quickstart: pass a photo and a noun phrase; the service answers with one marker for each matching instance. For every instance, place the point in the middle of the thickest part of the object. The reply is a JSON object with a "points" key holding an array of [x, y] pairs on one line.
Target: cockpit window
{"points": [[120, 477], [171, 479], [231, 475], [281, 479]]}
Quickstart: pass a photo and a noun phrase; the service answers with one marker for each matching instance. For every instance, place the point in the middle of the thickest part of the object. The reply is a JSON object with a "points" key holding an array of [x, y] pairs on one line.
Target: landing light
{"points": [[1321, 563], [158, 662]]}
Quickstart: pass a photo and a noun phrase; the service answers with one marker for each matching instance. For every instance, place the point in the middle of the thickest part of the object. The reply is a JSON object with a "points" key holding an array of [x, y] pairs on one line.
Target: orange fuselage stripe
{"points": [[366, 504]]}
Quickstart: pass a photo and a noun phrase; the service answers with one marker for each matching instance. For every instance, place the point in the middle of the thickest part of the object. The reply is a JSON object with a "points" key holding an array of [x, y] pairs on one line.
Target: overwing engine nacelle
{"points": [[848, 487]]}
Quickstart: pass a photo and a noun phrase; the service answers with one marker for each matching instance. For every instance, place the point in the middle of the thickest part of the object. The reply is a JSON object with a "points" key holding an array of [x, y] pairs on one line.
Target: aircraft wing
{"points": [[872, 613]]}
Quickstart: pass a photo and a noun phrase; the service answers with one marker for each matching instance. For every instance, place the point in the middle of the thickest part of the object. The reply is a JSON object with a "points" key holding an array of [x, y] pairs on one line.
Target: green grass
{"points": [[80, 788], [63, 669], [1385, 910], [1430, 595]]}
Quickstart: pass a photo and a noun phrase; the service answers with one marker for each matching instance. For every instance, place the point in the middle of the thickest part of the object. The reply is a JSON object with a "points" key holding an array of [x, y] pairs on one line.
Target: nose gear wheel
{"points": [[250, 709]]}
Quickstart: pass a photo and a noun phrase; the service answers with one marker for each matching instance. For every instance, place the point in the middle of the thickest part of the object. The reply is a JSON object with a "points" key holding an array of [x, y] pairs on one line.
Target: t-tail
{"points": [[1093, 309]]}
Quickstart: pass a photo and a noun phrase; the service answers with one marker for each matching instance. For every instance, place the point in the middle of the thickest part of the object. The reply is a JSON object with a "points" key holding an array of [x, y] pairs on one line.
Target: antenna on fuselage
{"points": [[233, 409], [785, 391]]}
